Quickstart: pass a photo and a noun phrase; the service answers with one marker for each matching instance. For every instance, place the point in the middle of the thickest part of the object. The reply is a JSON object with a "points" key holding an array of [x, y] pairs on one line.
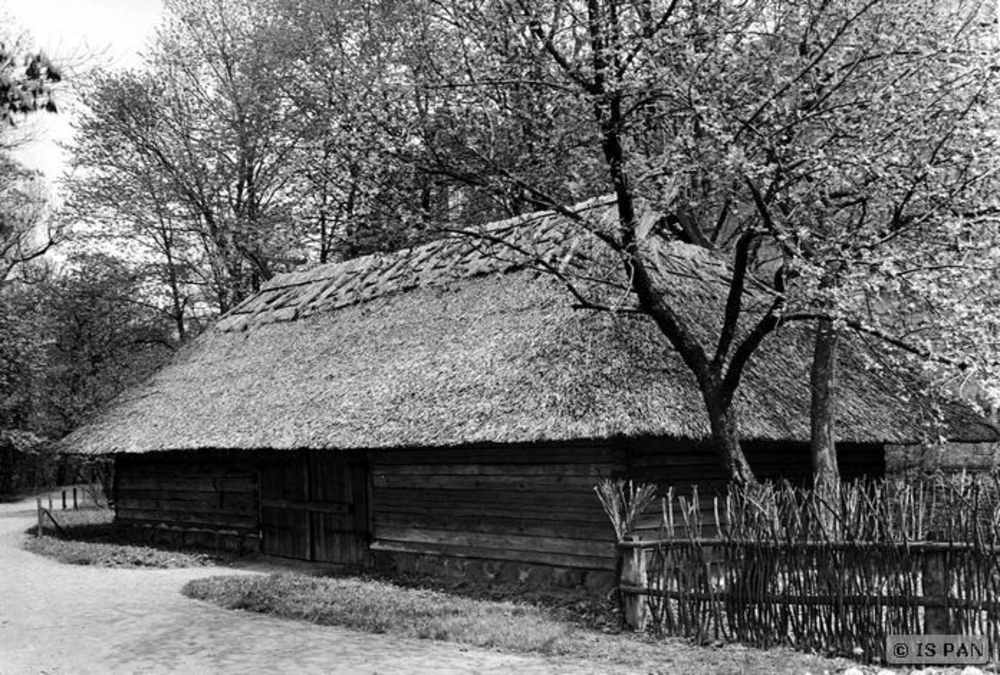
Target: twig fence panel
{"points": [[835, 573]]}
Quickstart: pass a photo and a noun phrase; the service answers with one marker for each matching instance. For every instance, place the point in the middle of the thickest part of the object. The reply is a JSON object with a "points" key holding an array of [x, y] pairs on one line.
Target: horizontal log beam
{"points": [[506, 470], [583, 485], [542, 514], [585, 500], [227, 528], [194, 484], [581, 547], [181, 471], [482, 553], [339, 508], [204, 518], [187, 500], [497, 524]]}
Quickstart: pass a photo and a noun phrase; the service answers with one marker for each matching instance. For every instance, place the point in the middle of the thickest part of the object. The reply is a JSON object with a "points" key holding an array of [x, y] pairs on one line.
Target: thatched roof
{"points": [[458, 342]]}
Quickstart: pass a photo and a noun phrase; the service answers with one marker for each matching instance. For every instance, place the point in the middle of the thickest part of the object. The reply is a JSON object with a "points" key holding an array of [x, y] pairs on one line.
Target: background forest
{"points": [[841, 154]]}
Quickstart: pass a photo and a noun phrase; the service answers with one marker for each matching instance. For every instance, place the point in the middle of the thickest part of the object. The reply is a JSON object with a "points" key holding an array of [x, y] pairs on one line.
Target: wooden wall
{"points": [[683, 463], [677, 463], [536, 504], [200, 498], [530, 504], [772, 460], [525, 505]]}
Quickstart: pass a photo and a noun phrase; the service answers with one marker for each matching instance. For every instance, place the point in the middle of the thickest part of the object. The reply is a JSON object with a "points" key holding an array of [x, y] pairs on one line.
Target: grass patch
{"points": [[89, 539], [102, 554], [382, 607], [584, 609]]}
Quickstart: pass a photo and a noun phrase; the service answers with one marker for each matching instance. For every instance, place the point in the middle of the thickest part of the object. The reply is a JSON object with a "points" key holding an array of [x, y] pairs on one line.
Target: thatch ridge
{"points": [[459, 342], [455, 256]]}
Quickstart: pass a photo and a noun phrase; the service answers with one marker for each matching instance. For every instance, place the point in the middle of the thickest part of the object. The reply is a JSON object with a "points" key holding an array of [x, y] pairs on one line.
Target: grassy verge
{"points": [[584, 609], [88, 539], [383, 607]]}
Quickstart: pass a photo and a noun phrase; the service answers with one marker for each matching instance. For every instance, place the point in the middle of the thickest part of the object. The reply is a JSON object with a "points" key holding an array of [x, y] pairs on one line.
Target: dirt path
{"points": [[57, 619]]}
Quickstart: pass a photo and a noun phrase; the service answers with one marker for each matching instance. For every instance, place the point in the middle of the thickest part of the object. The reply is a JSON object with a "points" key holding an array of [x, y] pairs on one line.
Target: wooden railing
{"points": [[72, 497]]}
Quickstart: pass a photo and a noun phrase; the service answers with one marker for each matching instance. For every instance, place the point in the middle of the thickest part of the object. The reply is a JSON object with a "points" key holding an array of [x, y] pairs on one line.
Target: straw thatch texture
{"points": [[456, 343]]}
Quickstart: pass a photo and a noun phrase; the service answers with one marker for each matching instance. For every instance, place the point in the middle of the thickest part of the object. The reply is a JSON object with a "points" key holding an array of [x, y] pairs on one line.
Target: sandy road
{"points": [[66, 619]]}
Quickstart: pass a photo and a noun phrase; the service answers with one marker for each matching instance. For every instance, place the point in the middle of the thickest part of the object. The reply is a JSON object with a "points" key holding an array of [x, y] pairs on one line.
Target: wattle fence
{"points": [[834, 573]]}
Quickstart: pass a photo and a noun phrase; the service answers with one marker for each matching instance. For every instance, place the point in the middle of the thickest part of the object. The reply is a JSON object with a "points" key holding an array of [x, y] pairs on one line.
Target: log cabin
{"points": [[446, 409]]}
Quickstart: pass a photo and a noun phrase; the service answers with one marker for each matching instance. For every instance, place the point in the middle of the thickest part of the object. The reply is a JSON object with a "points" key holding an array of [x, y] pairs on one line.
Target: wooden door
{"points": [[314, 506], [338, 487], [283, 517]]}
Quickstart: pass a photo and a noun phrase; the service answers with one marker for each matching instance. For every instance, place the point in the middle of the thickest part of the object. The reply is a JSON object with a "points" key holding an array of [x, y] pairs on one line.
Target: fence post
{"points": [[41, 525], [75, 507], [633, 574], [935, 584], [64, 500]]}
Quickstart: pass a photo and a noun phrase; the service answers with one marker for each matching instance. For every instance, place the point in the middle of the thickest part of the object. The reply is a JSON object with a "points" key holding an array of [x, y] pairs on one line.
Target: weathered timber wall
{"points": [[792, 461], [683, 464], [525, 514], [495, 512], [204, 499], [677, 463], [918, 461], [498, 512]]}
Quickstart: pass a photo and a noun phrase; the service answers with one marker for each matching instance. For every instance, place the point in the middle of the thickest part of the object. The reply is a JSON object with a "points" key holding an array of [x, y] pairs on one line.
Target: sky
{"points": [[112, 33]]}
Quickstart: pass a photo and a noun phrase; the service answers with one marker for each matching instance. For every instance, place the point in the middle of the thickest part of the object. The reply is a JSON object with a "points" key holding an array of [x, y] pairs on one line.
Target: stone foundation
{"points": [[496, 572], [180, 537]]}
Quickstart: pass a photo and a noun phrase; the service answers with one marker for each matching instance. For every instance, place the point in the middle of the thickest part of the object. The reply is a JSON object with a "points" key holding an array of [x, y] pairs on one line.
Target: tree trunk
{"points": [[726, 442], [823, 380], [610, 113], [176, 301]]}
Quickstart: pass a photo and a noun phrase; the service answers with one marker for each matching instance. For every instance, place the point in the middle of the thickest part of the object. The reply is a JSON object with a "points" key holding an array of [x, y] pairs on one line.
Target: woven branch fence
{"points": [[834, 573]]}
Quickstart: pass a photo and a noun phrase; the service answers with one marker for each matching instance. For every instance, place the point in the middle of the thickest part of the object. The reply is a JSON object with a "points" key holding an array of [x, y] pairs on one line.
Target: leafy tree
{"points": [[357, 196], [26, 234], [27, 231], [823, 135], [26, 84], [208, 124], [70, 340], [102, 336], [374, 141], [133, 211], [24, 354]]}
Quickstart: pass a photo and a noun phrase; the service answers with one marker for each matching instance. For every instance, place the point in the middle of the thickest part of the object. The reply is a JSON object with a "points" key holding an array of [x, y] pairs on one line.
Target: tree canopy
{"points": [[816, 146]]}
